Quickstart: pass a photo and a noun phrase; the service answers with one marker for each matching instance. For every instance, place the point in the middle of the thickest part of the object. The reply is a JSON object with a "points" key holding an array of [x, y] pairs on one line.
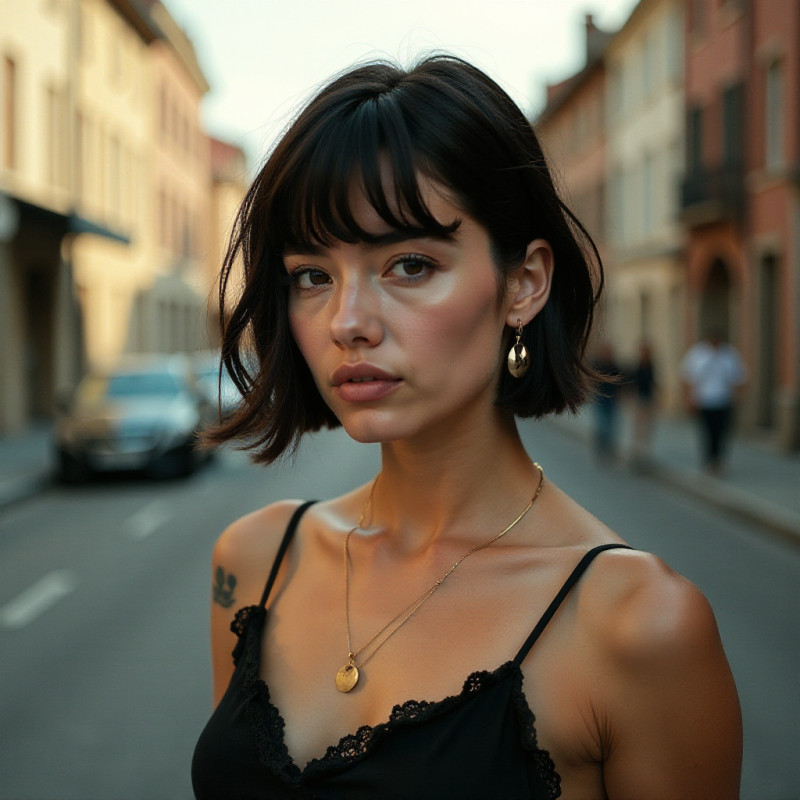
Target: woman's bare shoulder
{"points": [[257, 532], [249, 545], [667, 707], [644, 610]]}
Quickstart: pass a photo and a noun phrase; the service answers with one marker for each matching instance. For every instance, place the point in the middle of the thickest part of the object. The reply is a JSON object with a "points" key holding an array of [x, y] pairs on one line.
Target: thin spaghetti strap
{"points": [[559, 598], [287, 538]]}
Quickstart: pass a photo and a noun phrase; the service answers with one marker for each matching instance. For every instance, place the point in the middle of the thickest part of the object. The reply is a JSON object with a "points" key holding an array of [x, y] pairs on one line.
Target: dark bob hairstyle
{"points": [[443, 119]]}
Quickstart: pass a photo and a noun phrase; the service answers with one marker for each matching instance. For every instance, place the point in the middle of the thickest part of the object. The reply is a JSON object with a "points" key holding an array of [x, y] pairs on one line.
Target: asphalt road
{"points": [[104, 675]]}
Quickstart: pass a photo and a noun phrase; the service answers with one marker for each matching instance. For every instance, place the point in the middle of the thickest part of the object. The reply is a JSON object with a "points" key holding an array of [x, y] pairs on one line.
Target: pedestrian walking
{"points": [[643, 384], [713, 371], [458, 627], [606, 403]]}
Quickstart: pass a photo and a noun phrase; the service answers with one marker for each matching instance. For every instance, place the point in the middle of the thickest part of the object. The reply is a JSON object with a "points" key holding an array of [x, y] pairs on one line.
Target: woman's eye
{"points": [[309, 278], [411, 267]]}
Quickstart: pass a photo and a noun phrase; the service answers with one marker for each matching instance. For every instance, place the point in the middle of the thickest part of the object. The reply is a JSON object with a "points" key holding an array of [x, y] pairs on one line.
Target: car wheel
{"points": [[176, 463], [70, 469]]}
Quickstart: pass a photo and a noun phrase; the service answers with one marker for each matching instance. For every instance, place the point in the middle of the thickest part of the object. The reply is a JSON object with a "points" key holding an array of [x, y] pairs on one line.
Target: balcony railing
{"points": [[713, 194]]}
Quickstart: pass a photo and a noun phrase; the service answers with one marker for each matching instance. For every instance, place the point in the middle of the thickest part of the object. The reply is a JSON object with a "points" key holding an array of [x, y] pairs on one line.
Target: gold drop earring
{"points": [[518, 360]]}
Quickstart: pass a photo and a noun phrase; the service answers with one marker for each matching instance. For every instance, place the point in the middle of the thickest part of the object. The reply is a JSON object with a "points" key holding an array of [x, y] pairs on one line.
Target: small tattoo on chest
{"points": [[223, 588]]}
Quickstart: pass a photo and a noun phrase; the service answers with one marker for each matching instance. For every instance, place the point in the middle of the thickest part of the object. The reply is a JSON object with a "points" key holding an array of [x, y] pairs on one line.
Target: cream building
{"points": [[171, 310], [38, 320], [230, 182], [644, 147], [147, 170], [105, 194], [113, 112]]}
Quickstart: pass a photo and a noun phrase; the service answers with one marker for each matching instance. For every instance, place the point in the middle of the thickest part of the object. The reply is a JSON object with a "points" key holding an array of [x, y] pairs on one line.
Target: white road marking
{"points": [[36, 599], [147, 520]]}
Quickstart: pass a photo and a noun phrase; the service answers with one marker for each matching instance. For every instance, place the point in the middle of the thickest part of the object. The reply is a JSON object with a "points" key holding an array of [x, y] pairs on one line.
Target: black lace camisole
{"points": [[477, 745]]}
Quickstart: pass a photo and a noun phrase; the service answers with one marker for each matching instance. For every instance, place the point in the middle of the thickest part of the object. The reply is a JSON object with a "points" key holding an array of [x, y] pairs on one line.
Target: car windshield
{"points": [[128, 384]]}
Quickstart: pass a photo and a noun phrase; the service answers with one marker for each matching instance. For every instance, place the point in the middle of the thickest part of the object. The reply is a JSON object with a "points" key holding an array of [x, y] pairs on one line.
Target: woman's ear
{"points": [[528, 286]]}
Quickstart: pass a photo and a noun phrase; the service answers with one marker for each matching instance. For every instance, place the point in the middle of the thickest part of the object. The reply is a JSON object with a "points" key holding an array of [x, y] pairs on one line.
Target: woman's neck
{"points": [[446, 486]]}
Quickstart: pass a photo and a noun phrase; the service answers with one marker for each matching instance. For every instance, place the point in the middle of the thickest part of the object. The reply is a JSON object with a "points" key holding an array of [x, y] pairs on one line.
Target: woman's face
{"points": [[404, 334]]}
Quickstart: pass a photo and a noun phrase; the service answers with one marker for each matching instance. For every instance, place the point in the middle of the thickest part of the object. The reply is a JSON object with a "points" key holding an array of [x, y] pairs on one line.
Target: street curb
{"points": [[752, 508], [779, 521], [18, 489]]}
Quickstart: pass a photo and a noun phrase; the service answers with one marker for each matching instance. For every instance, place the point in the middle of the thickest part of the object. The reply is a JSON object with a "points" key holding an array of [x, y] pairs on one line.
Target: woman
{"points": [[411, 275]]}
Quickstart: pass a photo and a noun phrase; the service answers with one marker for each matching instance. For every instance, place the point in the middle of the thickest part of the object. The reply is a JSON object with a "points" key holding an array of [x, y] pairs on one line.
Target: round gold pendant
{"points": [[347, 677]]}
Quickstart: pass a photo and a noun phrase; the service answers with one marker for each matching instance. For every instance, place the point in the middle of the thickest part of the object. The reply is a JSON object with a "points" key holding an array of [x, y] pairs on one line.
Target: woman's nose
{"points": [[356, 319]]}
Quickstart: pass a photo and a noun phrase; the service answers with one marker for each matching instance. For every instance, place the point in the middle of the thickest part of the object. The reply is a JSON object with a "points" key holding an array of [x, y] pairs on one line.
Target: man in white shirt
{"points": [[713, 370]]}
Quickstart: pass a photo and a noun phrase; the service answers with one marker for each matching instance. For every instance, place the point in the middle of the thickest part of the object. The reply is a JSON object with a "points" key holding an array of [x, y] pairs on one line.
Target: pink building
{"points": [[741, 196], [572, 131]]}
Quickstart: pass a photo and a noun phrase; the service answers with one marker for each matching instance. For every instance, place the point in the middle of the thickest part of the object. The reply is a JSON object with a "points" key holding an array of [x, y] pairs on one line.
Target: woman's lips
{"points": [[363, 382], [360, 370], [366, 391]]}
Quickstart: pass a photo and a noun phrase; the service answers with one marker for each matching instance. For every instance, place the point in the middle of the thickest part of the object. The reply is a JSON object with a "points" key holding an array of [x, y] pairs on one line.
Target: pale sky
{"points": [[263, 58]]}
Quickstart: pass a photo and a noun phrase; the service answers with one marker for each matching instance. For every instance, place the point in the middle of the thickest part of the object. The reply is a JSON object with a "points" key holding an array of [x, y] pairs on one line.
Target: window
{"points": [[774, 116], [615, 91], [732, 125], [115, 57], [674, 175], [56, 157], [80, 149], [163, 108], [10, 107], [51, 133], [85, 32], [699, 17], [648, 54], [645, 315], [694, 140], [162, 218], [647, 194], [88, 160], [616, 219], [115, 178], [674, 44]]}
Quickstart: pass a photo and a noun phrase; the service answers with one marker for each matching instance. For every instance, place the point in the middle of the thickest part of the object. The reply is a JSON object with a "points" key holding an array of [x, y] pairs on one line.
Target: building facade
{"points": [[39, 318], [105, 194], [112, 180], [702, 215], [572, 132], [647, 290], [172, 311], [740, 197], [229, 185]]}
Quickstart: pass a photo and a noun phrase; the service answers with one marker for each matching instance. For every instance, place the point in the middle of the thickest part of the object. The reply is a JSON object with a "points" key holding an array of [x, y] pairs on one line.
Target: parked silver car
{"points": [[143, 415]]}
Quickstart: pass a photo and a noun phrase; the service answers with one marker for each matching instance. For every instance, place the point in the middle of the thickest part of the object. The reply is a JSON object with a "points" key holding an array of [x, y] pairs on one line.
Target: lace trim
{"points": [[541, 758], [265, 719], [268, 723], [239, 627], [356, 746]]}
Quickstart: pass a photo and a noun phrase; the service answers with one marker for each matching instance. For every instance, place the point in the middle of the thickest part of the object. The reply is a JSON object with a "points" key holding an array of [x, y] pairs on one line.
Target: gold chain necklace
{"points": [[347, 676]]}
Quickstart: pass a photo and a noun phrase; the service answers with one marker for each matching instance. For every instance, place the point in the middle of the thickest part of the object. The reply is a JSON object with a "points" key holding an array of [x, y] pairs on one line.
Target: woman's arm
{"points": [[670, 711], [240, 564]]}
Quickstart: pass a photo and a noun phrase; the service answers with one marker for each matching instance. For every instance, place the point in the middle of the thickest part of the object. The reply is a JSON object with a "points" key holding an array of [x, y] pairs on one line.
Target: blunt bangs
{"points": [[365, 148]]}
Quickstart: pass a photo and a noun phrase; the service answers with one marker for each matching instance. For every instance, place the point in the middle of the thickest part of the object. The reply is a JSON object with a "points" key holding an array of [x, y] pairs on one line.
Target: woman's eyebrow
{"points": [[398, 236], [380, 240]]}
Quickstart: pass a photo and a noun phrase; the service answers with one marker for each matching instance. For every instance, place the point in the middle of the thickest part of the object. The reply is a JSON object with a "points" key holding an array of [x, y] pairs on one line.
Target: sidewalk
{"points": [[759, 484], [26, 463]]}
